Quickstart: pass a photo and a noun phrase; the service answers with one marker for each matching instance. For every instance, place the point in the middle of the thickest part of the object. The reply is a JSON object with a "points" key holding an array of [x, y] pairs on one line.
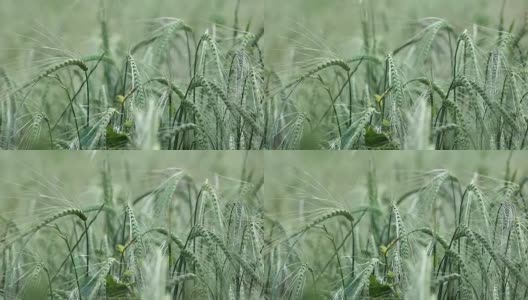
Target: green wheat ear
{"points": [[138, 99], [67, 63], [330, 63]]}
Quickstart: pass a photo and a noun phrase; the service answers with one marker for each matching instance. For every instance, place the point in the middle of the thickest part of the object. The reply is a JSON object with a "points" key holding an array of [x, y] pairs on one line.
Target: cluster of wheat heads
{"points": [[180, 240], [445, 238], [175, 89], [446, 87], [443, 88]]}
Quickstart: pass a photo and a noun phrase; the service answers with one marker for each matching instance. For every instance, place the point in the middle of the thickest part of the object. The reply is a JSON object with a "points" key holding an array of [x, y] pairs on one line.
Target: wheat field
{"points": [[396, 225], [354, 94], [263, 225], [265, 75], [131, 226]]}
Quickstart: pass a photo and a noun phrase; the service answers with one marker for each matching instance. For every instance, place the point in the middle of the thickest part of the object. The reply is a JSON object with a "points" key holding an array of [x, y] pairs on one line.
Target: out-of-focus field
{"points": [[294, 175], [24, 175], [74, 26], [336, 24]]}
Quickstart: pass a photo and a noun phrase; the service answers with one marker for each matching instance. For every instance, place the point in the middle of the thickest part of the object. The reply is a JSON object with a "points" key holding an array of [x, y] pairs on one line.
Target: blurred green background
{"points": [[337, 179], [74, 25], [335, 25], [29, 177], [330, 25]]}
